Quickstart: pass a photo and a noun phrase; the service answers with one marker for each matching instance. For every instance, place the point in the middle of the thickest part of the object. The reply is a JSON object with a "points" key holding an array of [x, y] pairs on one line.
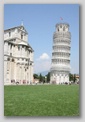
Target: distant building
{"points": [[77, 78], [18, 57], [35, 80], [60, 67]]}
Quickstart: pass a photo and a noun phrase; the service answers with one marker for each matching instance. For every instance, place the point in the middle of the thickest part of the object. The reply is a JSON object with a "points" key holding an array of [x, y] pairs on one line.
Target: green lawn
{"points": [[41, 100]]}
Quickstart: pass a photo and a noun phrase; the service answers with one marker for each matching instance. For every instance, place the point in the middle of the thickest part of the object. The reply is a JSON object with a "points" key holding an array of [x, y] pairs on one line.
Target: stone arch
{"points": [[13, 60], [8, 59]]}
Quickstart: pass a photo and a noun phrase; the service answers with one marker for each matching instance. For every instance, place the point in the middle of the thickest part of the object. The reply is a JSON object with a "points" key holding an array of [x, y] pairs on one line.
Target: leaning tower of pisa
{"points": [[60, 65]]}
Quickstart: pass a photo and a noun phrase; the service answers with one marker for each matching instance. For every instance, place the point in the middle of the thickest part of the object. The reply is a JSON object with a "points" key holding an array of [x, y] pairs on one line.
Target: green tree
{"points": [[74, 78], [48, 77], [70, 77], [40, 78], [43, 79], [36, 76]]}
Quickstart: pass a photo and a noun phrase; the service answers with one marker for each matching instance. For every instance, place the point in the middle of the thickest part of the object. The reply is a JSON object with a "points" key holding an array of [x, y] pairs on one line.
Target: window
{"points": [[8, 59], [21, 36], [10, 54], [58, 29], [9, 34], [12, 60], [30, 63], [11, 46], [18, 47], [25, 48], [22, 46]]}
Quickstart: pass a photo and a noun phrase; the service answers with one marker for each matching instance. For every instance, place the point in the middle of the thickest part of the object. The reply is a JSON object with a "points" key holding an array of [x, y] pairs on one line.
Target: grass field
{"points": [[41, 100]]}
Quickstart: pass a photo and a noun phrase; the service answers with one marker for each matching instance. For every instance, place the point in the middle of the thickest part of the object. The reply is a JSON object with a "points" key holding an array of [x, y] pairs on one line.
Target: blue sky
{"points": [[40, 20]]}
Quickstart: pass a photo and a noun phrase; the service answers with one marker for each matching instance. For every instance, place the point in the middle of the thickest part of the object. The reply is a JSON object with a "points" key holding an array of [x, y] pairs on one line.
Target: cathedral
{"points": [[18, 57]]}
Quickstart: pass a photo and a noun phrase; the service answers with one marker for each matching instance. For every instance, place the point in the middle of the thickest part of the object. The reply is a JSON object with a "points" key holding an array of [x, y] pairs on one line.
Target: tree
{"points": [[36, 76], [40, 78], [43, 79], [74, 78], [48, 77], [70, 77]]}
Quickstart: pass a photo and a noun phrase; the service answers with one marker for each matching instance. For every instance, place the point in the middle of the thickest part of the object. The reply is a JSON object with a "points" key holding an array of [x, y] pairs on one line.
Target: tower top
{"points": [[62, 27], [64, 24]]}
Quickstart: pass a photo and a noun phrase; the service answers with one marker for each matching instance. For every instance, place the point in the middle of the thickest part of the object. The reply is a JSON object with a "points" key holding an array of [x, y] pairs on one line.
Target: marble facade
{"points": [[18, 57]]}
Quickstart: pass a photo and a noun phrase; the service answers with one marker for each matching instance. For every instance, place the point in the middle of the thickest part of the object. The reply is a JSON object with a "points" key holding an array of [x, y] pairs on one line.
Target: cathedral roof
{"points": [[26, 44], [21, 27], [23, 43]]}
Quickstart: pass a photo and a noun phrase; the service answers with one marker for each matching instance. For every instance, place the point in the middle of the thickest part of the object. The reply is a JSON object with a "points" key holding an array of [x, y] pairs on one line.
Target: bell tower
{"points": [[60, 66]]}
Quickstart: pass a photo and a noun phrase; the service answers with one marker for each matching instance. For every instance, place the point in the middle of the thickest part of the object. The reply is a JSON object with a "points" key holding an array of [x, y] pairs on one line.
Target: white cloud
{"points": [[44, 56], [43, 63]]}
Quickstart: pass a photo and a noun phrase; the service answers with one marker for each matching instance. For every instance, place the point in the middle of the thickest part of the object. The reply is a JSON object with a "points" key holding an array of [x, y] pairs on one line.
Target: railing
{"points": [[57, 57], [61, 68], [60, 34], [61, 44], [61, 54], [60, 51], [61, 65]]}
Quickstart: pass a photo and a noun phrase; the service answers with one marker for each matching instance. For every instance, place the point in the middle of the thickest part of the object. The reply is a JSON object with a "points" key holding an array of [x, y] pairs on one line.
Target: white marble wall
{"points": [[60, 79], [16, 68], [61, 54], [14, 33]]}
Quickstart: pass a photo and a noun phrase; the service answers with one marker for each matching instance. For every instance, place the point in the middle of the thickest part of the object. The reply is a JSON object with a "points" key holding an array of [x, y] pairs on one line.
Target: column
{"points": [[57, 79], [61, 79], [15, 70], [9, 72], [29, 72], [5, 71], [5, 47], [12, 69], [22, 74], [32, 72]]}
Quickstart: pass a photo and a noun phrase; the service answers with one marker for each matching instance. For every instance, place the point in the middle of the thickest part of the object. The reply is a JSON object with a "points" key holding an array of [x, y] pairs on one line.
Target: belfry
{"points": [[60, 65]]}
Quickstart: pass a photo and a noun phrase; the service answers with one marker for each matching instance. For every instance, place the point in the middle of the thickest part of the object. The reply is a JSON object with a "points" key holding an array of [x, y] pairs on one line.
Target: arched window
{"points": [[12, 60], [21, 36], [10, 46], [8, 59], [18, 47], [9, 34]]}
